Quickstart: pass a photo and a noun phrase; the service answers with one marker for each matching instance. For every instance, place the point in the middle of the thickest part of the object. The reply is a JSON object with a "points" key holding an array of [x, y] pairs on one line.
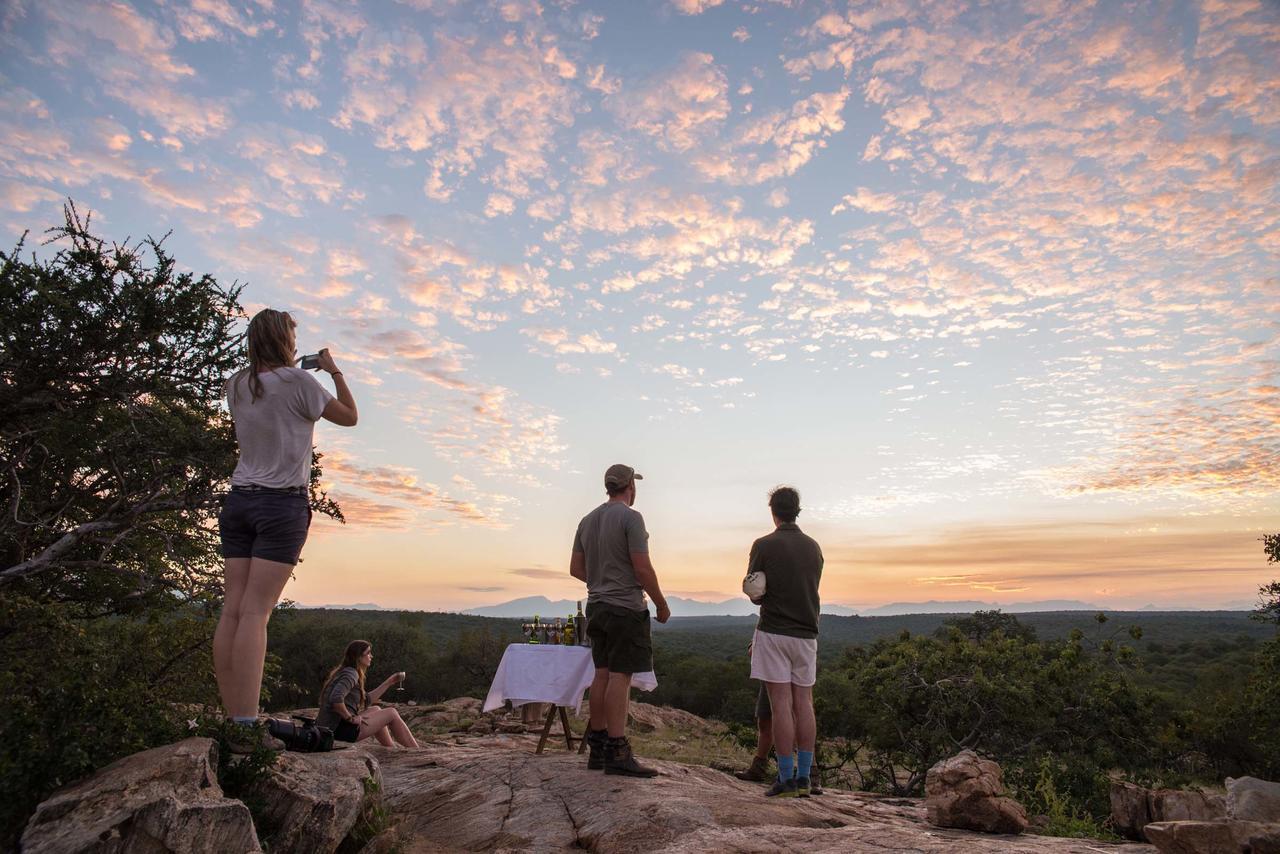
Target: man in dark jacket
{"points": [[784, 651]]}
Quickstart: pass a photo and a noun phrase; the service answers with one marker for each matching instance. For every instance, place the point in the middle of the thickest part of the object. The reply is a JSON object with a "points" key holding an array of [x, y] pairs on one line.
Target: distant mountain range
{"points": [[740, 607]]}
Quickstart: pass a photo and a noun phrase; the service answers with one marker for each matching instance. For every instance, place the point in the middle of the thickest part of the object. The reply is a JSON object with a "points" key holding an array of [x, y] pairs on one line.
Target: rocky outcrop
{"points": [[967, 791], [1214, 837], [1251, 799], [470, 791], [495, 793], [1133, 807], [165, 799], [312, 801]]}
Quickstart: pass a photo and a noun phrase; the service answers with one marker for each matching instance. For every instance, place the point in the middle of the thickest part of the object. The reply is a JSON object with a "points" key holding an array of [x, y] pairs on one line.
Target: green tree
{"points": [[1268, 610], [112, 434], [114, 448], [982, 624], [1067, 709]]}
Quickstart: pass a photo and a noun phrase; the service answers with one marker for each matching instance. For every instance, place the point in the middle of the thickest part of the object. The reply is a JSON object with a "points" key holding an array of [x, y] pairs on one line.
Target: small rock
{"points": [[1251, 799], [164, 799], [967, 791]]}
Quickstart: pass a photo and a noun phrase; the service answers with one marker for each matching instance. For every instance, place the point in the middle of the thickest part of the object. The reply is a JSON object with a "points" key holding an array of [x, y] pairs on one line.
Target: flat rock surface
{"points": [[496, 794]]}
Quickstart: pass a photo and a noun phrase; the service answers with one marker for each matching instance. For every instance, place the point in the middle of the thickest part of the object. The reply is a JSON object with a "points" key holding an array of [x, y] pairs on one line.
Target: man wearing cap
{"points": [[611, 554]]}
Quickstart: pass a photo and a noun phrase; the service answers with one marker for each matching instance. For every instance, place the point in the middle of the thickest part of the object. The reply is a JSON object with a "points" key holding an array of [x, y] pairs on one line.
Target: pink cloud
{"points": [[679, 106]]}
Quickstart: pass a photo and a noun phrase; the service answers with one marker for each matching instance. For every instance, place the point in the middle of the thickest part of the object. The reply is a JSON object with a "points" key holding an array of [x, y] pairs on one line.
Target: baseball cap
{"points": [[620, 475]]}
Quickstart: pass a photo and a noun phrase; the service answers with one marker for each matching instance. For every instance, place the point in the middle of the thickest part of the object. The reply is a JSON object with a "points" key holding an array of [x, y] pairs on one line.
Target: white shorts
{"points": [[780, 658]]}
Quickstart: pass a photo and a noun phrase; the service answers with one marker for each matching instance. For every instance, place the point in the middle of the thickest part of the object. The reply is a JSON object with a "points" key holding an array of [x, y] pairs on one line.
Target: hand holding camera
{"points": [[321, 361]]}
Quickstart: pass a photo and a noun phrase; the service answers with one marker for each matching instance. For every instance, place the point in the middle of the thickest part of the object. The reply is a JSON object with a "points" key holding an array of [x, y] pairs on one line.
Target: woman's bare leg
{"points": [[266, 582], [235, 577], [387, 720]]}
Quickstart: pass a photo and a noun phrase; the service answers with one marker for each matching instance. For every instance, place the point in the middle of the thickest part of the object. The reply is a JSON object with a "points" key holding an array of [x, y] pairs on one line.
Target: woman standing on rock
{"points": [[344, 705], [265, 517]]}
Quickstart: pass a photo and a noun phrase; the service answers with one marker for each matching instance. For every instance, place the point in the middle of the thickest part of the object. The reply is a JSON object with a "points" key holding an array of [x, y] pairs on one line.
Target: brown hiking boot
{"points": [[757, 773], [618, 759], [596, 739]]}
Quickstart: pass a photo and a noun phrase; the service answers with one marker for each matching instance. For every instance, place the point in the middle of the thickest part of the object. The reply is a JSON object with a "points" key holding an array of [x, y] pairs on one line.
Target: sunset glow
{"points": [[995, 286]]}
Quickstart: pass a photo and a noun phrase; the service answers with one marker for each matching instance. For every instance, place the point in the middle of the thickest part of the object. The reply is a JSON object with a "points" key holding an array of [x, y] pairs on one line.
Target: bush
{"points": [[1058, 716], [76, 695]]}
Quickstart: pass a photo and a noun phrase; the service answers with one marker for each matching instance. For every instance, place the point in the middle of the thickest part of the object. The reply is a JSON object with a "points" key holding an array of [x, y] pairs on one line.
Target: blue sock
{"points": [[786, 764], [804, 762], [246, 721]]}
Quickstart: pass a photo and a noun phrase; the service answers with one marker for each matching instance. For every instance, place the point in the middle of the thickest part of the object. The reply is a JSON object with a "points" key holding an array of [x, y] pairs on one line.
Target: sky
{"points": [[994, 285]]}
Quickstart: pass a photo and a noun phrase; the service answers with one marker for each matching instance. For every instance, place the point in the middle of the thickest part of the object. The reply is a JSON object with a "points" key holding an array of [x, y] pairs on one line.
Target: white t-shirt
{"points": [[275, 431]]}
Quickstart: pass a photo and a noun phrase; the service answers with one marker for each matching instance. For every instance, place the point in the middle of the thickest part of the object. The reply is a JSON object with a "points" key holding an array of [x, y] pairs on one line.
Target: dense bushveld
{"points": [[1063, 699]]}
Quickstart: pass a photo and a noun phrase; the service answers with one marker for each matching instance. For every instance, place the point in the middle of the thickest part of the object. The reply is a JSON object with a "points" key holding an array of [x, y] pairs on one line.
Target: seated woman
{"points": [[344, 705]]}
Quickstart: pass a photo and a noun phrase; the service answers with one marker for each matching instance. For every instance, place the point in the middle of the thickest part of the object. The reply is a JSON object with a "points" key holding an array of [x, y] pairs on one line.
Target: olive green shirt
{"points": [[792, 565]]}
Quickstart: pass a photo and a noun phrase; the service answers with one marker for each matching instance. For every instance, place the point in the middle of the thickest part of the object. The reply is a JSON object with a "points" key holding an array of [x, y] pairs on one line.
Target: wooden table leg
{"points": [[568, 733], [546, 728]]}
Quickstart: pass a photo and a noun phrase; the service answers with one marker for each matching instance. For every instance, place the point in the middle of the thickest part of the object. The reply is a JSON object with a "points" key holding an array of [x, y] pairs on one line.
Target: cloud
{"points": [[461, 101], [778, 144], [541, 574], [363, 513], [1052, 559], [694, 7], [401, 484], [22, 197], [680, 106], [136, 63], [202, 20], [562, 341]]}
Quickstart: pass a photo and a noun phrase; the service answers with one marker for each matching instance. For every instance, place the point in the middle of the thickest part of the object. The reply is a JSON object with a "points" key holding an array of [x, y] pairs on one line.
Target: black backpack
{"points": [[306, 737]]}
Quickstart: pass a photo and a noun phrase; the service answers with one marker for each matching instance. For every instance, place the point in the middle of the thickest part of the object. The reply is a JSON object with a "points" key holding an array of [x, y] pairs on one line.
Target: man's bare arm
{"points": [[648, 578], [578, 566]]}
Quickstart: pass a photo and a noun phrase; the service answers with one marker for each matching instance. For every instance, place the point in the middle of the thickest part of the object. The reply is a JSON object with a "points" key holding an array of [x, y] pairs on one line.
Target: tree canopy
{"points": [[113, 438]]}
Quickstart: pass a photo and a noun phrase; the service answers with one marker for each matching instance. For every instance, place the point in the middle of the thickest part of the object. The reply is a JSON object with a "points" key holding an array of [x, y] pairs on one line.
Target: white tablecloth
{"points": [[548, 673]]}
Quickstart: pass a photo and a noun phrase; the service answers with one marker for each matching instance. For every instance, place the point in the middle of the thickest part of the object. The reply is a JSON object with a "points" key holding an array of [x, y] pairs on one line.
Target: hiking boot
{"points": [[243, 739], [802, 787], [618, 759], [596, 739], [757, 773], [781, 789], [815, 788]]}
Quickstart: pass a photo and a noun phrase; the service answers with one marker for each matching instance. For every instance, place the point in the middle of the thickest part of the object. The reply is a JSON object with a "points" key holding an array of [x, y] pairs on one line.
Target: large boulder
{"points": [[1214, 837], [1130, 810], [164, 799], [967, 791], [1133, 807], [1251, 799], [312, 801]]}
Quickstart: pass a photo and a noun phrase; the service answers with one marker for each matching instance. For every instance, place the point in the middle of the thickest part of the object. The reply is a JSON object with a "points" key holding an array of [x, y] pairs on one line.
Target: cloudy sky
{"points": [[996, 286]]}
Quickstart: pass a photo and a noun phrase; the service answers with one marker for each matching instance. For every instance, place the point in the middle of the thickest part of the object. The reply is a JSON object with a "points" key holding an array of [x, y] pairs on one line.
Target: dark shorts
{"points": [[346, 731], [764, 711], [619, 638], [267, 525]]}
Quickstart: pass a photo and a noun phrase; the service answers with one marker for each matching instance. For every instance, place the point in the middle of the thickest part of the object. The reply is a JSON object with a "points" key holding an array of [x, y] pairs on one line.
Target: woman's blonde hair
{"points": [[268, 338], [351, 658]]}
